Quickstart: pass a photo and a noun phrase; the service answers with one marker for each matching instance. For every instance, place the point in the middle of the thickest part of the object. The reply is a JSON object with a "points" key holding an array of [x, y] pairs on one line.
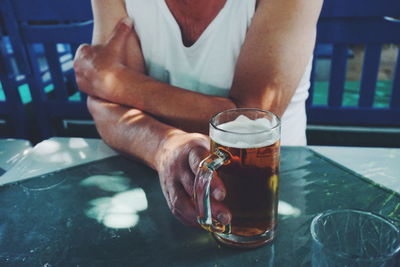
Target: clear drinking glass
{"points": [[245, 147], [354, 238]]}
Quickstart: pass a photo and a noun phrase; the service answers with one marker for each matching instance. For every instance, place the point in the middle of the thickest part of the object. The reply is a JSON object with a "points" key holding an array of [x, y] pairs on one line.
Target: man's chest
{"points": [[193, 17]]}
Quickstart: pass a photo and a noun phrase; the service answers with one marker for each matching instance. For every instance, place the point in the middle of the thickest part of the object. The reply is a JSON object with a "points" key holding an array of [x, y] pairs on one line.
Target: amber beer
{"points": [[251, 181], [245, 155]]}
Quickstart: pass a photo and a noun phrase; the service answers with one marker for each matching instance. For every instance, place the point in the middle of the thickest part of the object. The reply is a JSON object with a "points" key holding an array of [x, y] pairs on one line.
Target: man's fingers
{"points": [[220, 212], [164, 189], [197, 154], [182, 205], [83, 49], [120, 35], [187, 180], [218, 190]]}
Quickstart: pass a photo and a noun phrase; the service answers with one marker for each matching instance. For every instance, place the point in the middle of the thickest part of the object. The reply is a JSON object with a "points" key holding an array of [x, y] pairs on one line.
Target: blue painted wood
{"points": [[52, 10], [395, 97], [3, 107], [326, 51], [74, 110], [342, 22], [36, 79], [369, 75], [360, 8], [57, 77], [357, 22], [39, 96], [357, 31], [77, 32], [45, 24], [354, 116], [11, 27], [338, 75], [310, 98], [75, 47], [12, 109]]}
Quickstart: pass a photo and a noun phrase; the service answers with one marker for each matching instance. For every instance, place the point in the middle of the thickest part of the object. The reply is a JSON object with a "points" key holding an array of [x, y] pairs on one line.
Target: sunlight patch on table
{"points": [[82, 155], [109, 183], [121, 221], [50, 151], [46, 147], [77, 143], [64, 158], [286, 209], [136, 198], [54, 155], [119, 211]]}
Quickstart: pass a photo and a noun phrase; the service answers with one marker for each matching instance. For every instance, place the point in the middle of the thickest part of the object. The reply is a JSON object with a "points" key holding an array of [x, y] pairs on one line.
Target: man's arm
{"points": [[131, 131], [174, 153], [275, 54], [276, 51]]}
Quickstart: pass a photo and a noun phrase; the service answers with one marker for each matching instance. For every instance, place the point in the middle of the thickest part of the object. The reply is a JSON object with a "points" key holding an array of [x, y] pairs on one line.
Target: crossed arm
{"points": [[139, 115], [272, 60]]}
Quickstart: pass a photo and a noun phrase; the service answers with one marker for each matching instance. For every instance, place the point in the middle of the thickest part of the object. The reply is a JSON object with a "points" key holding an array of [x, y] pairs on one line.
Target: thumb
{"points": [[196, 155], [120, 34]]}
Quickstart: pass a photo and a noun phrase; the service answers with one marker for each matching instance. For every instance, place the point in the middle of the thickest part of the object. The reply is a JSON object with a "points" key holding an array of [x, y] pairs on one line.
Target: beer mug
{"points": [[245, 147]]}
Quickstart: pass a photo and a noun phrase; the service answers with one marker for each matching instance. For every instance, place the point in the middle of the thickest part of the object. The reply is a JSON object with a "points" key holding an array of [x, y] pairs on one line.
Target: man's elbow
{"points": [[92, 106], [97, 109], [271, 102]]}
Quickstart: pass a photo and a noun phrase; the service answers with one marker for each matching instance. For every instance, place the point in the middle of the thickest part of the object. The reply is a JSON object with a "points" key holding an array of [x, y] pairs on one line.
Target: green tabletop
{"points": [[112, 213]]}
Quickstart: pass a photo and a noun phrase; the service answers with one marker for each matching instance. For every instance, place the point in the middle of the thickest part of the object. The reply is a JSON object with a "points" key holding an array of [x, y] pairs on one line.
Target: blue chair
{"points": [[369, 23], [46, 34], [12, 110]]}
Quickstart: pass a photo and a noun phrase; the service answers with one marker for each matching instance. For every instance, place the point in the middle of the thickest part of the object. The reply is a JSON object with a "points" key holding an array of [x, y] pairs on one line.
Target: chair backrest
{"points": [[12, 110], [359, 8], [345, 24], [47, 34]]}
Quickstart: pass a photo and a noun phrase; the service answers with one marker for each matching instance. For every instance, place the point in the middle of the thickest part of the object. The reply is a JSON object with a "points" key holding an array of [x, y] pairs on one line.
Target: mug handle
{"points": [[202, 188]]}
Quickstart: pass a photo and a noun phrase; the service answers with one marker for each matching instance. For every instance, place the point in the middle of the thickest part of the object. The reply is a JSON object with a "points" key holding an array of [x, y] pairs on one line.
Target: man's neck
{"points": [[195, 10]]}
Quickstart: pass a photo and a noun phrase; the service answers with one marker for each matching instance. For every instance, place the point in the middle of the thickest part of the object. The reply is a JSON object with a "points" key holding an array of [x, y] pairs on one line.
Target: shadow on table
{"points": [[112, 212], [100, 214]]}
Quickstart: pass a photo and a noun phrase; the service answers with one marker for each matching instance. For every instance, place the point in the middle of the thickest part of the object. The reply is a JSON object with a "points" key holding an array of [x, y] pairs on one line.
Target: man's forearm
{"points": [[178, 107], [131, 131]]}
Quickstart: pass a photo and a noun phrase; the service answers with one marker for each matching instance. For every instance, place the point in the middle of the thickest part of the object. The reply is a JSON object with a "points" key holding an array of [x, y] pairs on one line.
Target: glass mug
{"points": [[245, 147]]}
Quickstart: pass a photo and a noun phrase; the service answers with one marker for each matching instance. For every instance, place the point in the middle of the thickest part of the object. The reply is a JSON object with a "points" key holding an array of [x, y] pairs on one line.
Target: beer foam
{"points": [[245, 133]]}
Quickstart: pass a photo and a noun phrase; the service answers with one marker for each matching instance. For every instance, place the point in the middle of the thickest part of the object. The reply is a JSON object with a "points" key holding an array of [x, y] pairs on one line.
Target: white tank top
{"points": [[208, 65]]}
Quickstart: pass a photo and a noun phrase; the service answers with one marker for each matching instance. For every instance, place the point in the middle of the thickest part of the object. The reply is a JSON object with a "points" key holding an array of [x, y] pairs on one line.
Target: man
{"points": [[153, 87]]}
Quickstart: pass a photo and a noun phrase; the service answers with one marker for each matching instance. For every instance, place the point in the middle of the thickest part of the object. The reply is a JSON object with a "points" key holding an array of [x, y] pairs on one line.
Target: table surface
{"points": [[111, 211], [380, 165], [11, 152]]}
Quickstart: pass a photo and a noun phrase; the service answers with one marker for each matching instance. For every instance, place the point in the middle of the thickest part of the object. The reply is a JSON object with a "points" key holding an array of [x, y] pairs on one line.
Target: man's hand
{"points": [[179, 159], [94, 65]]}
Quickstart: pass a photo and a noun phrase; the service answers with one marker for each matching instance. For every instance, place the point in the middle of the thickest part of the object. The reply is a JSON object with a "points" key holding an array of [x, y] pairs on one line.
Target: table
{"points": [[111, 212], [55, 154], [380, 165], [11, 152]]}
